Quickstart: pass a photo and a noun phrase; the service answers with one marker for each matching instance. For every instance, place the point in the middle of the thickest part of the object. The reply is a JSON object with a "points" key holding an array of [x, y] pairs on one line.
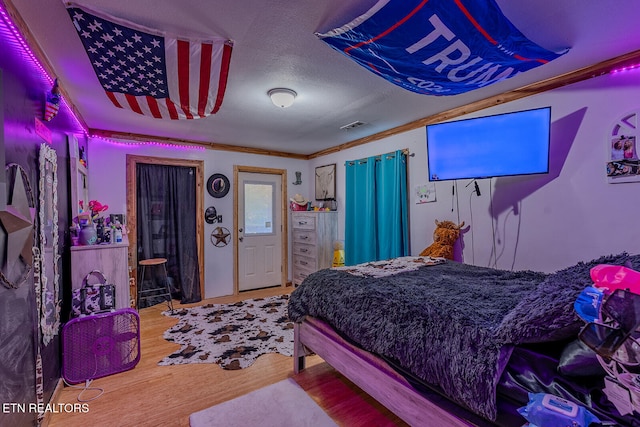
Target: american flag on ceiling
{"points": [[150, 72]]}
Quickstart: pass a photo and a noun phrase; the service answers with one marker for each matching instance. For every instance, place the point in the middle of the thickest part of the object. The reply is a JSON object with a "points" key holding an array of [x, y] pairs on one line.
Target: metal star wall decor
{"points": [[220, 236], [16, 232]]}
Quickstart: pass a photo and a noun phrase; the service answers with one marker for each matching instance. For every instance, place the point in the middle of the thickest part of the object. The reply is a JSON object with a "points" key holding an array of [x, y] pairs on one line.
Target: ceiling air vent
{"points": [[352, 125]]}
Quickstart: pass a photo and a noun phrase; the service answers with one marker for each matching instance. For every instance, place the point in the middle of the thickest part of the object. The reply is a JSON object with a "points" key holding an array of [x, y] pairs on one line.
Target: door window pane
{"points": [[258, 207]]}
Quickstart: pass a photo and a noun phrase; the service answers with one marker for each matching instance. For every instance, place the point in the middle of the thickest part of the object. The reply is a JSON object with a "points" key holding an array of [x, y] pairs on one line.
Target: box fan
{"points": [[100, 344]]}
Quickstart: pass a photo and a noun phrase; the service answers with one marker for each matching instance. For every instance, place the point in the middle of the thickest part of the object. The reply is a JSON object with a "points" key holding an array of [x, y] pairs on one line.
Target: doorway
{"points": [[133, 210], [261, 222]]}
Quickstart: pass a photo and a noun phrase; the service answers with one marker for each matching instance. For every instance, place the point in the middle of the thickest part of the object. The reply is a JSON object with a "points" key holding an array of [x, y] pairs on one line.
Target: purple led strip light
{"points": [[153, 143], [626, 68], [25, 47], [34, 60]]}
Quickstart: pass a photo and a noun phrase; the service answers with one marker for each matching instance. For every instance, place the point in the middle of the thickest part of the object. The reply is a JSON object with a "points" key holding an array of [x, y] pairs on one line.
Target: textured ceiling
{"points": [[275, 46]]}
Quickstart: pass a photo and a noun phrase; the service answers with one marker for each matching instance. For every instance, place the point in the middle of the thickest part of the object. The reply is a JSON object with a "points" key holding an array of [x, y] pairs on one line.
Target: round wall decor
{"points": [[210, 215], [220, 236], [218, 185]]}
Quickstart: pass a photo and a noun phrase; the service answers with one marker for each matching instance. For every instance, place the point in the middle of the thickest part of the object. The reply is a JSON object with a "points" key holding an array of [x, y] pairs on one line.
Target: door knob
{"points": [[241, 238]]}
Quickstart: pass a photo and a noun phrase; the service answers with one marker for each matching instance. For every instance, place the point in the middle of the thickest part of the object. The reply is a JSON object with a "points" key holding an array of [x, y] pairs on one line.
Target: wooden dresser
{"points": [[111, 260], [313, 236]]}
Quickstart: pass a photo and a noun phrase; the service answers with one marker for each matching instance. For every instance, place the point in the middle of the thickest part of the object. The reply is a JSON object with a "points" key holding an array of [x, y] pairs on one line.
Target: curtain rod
{"points": [[378, 157]]}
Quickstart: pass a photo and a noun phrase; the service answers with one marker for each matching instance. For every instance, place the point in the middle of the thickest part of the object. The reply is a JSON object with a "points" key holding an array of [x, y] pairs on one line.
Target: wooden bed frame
{"points": [[371, 374]]}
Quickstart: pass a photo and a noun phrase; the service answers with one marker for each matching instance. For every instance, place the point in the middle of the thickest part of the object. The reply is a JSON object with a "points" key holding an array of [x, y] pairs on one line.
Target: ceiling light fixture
{"points": [[282, 97]]}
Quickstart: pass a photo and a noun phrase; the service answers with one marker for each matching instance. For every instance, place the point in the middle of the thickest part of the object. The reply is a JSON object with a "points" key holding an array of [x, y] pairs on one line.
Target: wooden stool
{"points": [[164, 290]]}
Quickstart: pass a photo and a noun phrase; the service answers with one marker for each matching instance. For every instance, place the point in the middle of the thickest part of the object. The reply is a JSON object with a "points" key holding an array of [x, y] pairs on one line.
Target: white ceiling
{"points": [[275, 46]]}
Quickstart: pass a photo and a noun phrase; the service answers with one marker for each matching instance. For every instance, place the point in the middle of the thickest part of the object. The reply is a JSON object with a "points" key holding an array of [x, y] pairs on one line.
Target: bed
{"points": [[413, 330]]}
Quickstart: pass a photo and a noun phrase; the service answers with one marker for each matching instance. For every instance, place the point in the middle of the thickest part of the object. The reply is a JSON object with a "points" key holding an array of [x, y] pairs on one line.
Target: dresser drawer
{"points": [[303, 262], [304, 249], [303, 236], [299, 275], [303, 222], [313, 234]]}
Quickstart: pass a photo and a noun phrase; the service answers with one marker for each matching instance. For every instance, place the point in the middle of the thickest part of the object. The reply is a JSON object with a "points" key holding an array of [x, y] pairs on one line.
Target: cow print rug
{"points": [[231, 335]]}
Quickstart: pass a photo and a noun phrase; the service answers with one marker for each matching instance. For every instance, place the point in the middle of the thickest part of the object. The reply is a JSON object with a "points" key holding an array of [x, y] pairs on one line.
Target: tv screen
{"points": [[501, 145]]}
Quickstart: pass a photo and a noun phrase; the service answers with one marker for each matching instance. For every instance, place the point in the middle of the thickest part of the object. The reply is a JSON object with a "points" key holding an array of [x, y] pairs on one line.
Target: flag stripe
{"points": [[224, 73], [113, 99], [171, 63], [143, 105], [183, 76], [132, 101], [198, 62], [388, 30], [153, 107], [205, 73], [486, 35], [171, 108], [214, 79], [195, 58]]}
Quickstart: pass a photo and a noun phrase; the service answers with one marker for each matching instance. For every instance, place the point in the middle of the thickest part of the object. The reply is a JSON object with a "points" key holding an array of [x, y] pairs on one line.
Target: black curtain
{"points": [[166, 227]]}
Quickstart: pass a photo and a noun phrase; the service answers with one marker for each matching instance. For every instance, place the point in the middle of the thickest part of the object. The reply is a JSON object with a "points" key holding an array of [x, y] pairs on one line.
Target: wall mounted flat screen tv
{"points": [[492, 146]]}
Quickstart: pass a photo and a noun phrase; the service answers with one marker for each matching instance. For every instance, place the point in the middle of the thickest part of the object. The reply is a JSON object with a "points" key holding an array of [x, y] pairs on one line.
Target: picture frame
{"points": [[326, 182], [623, 152]]}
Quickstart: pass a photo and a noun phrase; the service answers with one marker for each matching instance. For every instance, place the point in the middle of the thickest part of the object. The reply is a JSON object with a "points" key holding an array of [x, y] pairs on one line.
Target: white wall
{"points": [[107, 183], [540, 222]]}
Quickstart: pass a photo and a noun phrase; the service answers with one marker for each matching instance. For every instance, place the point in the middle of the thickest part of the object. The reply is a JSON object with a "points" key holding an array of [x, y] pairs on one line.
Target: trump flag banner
{"points": [[153, 73], [438, 47]]}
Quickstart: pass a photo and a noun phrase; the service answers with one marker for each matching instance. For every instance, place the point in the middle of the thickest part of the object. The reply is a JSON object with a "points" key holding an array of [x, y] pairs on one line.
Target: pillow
{"points": [[578, 360], [547, 313]]}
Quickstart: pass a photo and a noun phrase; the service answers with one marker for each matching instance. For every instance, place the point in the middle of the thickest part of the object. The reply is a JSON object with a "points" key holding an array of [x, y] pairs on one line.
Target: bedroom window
{"points": [[376, 208]]}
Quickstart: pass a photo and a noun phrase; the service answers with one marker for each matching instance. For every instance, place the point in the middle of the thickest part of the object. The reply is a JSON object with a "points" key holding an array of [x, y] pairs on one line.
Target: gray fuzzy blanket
{"points": [[453, 325]]}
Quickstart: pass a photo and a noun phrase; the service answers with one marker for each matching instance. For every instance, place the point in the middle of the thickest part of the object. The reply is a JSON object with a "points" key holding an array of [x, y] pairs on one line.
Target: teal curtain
{"points": [[376, 225], [360, 225]]}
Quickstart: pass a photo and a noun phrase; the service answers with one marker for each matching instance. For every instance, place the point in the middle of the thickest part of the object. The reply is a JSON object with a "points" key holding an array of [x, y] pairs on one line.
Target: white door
{"points": [[259, 230]]}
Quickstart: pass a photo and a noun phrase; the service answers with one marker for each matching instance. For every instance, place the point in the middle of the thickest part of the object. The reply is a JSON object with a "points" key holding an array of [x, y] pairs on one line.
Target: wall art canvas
{"points": [[623, 164]]}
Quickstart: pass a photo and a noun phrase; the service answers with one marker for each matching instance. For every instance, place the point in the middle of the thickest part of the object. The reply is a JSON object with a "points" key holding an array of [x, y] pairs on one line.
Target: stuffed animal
{"points": [[444, 237]]}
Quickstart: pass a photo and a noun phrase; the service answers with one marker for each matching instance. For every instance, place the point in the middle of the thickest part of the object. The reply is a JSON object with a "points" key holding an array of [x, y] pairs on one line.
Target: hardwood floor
{"points": [[152, 395]]}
